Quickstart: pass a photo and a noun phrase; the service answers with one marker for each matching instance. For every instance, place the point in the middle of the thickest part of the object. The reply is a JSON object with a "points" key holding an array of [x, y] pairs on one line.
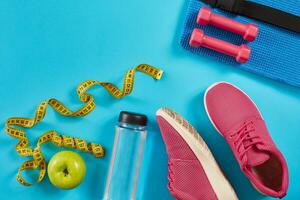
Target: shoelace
{"points": [[245, 137]]}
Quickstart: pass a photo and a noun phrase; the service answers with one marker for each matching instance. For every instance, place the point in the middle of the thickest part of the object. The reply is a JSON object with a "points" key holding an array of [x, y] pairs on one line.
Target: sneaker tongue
{"points": [[256, 156]]}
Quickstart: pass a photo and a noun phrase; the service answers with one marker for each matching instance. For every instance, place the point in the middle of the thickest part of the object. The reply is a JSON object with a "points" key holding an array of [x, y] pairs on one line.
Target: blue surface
{"points": [[274, 53], [48, 47]]}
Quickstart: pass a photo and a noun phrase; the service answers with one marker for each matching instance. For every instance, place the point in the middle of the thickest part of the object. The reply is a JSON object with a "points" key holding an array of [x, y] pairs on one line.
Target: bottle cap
{"points": [[133, 118]]}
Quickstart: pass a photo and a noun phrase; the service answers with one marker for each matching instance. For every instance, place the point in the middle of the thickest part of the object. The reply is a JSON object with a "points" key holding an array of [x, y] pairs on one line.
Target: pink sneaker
{"points": [[237, 118], [193, 172]]}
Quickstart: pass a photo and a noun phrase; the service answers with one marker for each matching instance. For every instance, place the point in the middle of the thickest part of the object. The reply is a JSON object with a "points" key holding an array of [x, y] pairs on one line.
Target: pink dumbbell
{"points": [[248, 31], [241, 53]]}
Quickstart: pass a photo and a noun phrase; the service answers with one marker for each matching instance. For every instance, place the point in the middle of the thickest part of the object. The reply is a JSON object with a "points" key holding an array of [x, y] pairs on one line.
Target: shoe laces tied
{"points": [[245, 138]]}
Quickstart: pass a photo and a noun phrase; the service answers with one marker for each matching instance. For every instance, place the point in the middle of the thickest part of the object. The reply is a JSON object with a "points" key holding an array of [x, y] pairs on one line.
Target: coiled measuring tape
{"points": [[97, 150]]}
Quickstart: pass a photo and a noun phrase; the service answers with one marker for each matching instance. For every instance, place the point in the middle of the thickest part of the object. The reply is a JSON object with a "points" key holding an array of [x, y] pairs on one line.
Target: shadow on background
{"points": [[98, 169], [176, 48]]}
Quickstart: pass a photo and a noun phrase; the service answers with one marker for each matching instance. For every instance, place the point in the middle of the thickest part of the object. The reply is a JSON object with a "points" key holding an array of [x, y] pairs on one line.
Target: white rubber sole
{"points": [[218, 181], [214, 125]]}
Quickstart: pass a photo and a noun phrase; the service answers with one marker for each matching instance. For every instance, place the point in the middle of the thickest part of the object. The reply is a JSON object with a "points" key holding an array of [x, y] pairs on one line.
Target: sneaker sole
{"points": [[217, 179], [214, 125]]}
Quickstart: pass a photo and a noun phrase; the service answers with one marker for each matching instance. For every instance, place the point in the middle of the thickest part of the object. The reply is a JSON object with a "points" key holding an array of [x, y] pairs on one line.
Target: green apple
{"points": [[66, 170]]}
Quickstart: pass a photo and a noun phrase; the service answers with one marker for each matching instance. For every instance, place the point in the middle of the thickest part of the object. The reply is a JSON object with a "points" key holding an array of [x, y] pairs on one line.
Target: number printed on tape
{"points": [[38, 161]]}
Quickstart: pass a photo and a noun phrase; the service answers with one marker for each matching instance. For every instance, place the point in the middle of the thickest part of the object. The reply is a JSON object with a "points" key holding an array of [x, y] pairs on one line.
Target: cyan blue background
{"points": [[48, 47]]}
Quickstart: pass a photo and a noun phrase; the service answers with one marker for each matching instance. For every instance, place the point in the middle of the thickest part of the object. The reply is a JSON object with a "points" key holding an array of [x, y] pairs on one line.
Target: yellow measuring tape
{"points": [[97, 150]]}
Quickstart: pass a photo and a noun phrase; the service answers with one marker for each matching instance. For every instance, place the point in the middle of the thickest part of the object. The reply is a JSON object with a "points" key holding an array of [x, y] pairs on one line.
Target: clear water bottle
{"points": [[125, 164]]}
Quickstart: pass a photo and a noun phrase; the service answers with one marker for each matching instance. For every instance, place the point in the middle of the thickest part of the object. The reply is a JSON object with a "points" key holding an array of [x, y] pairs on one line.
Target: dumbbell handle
{"points": [[228, 24], [207, 16], [241, 53]]}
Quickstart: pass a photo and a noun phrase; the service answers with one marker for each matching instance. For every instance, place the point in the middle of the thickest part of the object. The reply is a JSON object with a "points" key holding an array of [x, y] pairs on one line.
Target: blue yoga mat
{"points": [[275, 52]]}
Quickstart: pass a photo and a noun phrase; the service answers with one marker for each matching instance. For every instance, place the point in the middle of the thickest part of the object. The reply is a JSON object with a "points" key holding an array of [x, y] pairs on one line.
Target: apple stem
{"points": [[66, 171]]}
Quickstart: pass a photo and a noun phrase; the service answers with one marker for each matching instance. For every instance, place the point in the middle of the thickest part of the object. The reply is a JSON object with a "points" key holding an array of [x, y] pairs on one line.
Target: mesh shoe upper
{"points": [[187, 179], [237, 118]]}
